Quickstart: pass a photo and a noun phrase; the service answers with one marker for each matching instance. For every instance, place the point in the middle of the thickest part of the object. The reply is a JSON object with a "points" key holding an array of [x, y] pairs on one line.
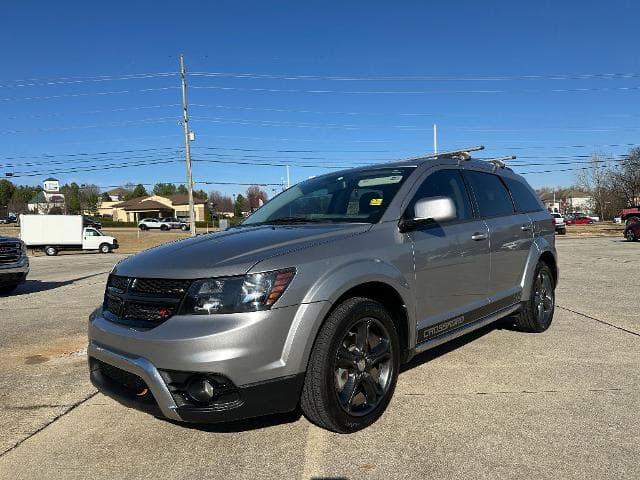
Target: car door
{"points": [[90, 239], [510, 236], [451, 268]]}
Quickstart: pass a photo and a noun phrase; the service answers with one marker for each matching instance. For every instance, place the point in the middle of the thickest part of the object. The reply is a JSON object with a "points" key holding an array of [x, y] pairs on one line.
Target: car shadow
{"points": [[291, 417], [243, 425], [34, 286], [506, 323]]}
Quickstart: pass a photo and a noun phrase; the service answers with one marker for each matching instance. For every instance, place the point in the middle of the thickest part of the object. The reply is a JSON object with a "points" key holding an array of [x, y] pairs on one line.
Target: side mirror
{"points": [[430, 209]]}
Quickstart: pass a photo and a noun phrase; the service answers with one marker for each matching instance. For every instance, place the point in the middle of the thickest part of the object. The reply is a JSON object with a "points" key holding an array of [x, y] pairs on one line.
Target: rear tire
{"points": [[537, 312], [164, 228], [51, 251], [562, 231], [631, 236], [353, 367]]}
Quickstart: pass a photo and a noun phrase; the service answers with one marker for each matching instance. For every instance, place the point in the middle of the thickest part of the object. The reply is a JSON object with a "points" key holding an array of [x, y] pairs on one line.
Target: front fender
{"points": [[538, 248], [328, 289]]}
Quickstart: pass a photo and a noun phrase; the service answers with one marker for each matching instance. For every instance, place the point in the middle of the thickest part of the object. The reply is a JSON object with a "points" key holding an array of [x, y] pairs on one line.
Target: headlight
{"points": [[257, 291]]}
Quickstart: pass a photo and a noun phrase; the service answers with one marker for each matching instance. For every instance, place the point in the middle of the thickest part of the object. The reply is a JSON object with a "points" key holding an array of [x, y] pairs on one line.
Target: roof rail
{"points": [[460, 154], [498, 162]]}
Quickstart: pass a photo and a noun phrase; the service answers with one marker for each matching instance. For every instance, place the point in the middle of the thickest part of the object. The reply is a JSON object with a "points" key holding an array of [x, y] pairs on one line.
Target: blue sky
{"points": [[87, 85]]}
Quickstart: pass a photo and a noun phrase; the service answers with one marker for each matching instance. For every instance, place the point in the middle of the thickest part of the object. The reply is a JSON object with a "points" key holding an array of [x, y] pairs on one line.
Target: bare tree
{"points": [[594, 179], [256, 197], [220, 202]]}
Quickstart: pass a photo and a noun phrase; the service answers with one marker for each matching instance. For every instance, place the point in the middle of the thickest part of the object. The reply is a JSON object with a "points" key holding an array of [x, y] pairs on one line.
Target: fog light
{"points": [[200, 390]]}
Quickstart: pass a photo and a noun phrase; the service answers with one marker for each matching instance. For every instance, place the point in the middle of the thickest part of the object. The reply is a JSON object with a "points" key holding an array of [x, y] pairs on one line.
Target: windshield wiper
{"points": [[287, 220]]}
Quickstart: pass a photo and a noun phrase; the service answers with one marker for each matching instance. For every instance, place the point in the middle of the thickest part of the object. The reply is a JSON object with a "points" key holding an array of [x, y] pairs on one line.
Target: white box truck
{"points": [[52, 233]]}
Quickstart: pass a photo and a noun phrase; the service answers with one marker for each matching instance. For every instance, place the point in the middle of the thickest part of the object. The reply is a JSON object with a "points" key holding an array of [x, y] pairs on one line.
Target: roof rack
{"points": [[498, 162], [460, 154]]}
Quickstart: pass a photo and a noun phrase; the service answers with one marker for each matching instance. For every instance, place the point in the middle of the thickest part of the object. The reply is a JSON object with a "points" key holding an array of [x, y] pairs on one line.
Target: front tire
{"points": [[537, 312], [353, 367], [164, 228], [630, 236], [105, 248], [143, 227]]}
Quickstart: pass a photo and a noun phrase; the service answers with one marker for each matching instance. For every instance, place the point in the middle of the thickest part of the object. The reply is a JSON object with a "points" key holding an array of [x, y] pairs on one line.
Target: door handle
{"points": [[526, 227], [479, 236]]}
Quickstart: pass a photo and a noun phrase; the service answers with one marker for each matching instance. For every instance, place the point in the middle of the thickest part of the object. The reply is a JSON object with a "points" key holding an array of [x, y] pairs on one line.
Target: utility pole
{"points": [[288, 177], [187, 147], [435, 138]]}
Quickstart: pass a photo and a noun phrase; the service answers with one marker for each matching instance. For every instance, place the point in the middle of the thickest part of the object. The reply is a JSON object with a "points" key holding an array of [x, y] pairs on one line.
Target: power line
{"points": [[92, 112], [125, 123], [33, 82], [418, 92], [413, 78], [85, 94]]}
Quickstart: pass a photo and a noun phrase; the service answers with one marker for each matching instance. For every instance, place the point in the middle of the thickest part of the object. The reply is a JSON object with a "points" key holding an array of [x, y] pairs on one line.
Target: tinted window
{"points": [[525, 200], [445, 183], [492, 196]]}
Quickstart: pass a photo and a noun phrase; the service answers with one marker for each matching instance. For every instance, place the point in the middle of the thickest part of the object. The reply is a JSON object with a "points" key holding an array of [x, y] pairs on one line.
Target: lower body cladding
{"points": [[205, 369]]}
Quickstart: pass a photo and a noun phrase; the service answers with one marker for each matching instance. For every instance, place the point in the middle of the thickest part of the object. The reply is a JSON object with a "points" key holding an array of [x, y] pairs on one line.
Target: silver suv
{"points": [[319, 297]]}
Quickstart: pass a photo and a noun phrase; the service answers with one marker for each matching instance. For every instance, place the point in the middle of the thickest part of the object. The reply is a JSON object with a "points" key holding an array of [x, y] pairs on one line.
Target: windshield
{"points": [[355, 196]]}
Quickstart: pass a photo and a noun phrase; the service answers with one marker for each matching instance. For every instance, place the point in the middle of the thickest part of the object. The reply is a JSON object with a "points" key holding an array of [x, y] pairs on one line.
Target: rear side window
{"points": [[445, 183], [492, 196], [525, 200]]}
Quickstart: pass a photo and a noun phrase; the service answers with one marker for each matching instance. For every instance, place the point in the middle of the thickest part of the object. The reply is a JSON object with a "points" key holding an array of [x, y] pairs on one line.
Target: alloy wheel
{"points": [[544, 297], [363, 367]]}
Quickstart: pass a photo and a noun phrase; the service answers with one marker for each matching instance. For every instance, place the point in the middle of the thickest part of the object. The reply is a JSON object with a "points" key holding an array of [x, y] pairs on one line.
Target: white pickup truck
{"points": [[52, 233]]}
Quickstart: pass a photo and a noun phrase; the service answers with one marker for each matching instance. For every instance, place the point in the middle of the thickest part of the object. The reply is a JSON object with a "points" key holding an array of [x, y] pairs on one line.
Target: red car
{"points": [[578, 219]]}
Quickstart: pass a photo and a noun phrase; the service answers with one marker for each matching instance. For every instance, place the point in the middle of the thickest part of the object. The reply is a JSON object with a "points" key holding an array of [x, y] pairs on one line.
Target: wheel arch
{"points": [[541, 250]]}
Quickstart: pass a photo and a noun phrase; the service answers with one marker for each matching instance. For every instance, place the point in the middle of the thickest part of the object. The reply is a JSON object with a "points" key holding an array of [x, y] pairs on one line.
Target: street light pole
{"points": [[187, 146]]}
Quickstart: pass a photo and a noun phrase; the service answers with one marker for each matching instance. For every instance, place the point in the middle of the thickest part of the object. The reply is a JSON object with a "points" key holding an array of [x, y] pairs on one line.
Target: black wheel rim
{"points": [[544, 297], [363, 367]]}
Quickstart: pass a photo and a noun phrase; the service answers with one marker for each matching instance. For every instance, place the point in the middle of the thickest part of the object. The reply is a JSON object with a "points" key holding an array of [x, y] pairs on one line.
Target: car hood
{"points": [[232, 252], [9, 239]]}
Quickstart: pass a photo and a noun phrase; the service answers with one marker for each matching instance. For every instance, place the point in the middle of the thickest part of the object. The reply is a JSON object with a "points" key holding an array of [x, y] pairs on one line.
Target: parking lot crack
{"points": [[56, 418], [599, 321]]}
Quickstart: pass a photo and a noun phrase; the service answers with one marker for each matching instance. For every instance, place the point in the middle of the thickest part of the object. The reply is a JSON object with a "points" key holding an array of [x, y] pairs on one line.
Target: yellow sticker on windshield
{"points": [[375, 201]]}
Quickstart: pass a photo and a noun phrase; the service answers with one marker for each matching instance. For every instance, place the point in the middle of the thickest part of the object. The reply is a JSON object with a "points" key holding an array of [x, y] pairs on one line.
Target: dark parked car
{"points": [[8, 219], [91, 222], [174, 222], [632, 231]]}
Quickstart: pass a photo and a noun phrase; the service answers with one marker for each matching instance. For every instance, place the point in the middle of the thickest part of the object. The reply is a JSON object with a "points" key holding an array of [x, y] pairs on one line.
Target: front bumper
{"points": [[14, 273], [151, 394], [255, 354]]}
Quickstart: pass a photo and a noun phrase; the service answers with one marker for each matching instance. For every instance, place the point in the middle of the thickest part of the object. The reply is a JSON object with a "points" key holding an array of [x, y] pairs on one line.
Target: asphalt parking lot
{"points": [[495, 404]]}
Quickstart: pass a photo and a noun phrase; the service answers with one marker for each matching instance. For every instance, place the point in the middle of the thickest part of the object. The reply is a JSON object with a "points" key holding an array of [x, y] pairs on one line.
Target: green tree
{"points": [[182, 189], [135, 192], [71, 193], [164, 189], [240, 206], [105, 197], [7, 189]]}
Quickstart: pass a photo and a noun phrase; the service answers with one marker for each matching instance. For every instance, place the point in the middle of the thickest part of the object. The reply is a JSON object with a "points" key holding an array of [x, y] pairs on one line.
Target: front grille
{"points": [[160, 286], [10, 252], [148, 312], [143, 302]]}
